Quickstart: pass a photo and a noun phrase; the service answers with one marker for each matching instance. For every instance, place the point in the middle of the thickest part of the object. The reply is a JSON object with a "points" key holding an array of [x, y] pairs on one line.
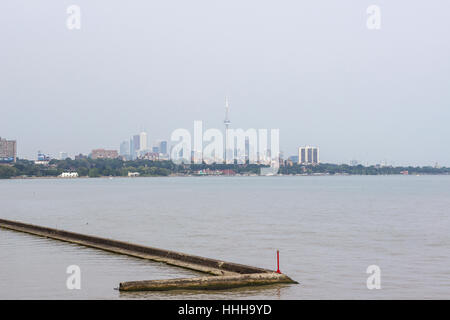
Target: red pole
{"points": [[278, 261]]}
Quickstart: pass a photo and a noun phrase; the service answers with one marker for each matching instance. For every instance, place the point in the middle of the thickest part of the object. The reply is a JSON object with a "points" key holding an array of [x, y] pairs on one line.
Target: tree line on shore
{"points": [[117, 167]]}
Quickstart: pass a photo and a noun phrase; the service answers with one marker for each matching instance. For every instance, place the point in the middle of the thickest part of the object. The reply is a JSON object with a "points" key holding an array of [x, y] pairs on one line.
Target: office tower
{"points": [[135, 145], [125, 148], [155, 149], [8, 150], [308, 155], [143, 141], [163, 147], [247, 149], [131, 149]]}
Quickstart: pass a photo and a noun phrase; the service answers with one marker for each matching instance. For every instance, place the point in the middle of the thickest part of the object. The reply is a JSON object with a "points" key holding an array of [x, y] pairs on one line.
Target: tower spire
{"points": [[227, 111], [227, 123]]}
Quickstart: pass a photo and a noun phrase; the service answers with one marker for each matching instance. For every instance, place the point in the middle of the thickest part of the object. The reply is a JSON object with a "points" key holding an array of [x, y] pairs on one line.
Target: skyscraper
{"points": [[163, 147], [143, 141], [308, 155], [125, 148], [134, 146]]}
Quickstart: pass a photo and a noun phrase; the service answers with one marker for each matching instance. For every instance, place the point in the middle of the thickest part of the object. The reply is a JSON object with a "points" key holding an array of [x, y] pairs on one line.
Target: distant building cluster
{"points": [[63, 155], [8, 151], [137, 148], [42, 159]]}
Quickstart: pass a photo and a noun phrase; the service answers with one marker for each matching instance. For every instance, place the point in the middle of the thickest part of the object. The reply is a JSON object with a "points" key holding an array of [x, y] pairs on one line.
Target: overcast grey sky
{"points": [[310, 68]]}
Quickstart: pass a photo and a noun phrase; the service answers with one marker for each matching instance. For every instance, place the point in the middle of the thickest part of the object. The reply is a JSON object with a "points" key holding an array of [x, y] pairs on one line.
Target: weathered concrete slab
{"points": [[207, 283], [227, 274]]}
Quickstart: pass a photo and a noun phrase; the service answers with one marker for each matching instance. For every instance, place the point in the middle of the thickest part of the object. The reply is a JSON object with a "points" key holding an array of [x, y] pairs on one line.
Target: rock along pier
{"points": [[221, 274]]}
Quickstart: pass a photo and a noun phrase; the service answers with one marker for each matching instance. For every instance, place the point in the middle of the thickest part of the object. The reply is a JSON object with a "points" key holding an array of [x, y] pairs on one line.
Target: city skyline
{"points": [[317, 73], [141, 144]]}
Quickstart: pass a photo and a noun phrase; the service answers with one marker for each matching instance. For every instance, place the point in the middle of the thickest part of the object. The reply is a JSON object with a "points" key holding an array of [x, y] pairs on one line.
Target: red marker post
{"points": [[278, 261]]}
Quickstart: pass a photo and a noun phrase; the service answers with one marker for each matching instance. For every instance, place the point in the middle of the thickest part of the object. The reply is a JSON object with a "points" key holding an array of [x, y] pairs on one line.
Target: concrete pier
{"points": [[225, 274], [207, 283]]}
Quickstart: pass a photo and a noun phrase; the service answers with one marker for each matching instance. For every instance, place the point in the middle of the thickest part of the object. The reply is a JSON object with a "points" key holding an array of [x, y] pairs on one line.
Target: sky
{"points": [[312, 69]]}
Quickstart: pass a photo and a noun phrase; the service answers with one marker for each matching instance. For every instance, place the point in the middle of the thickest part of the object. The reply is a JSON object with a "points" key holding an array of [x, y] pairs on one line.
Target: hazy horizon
{"points": [[313, 70]]}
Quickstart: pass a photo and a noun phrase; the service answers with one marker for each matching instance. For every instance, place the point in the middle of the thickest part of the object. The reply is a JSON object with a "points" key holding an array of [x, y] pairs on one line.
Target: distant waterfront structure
{"points": [[69, 175], [308, 155], [104, 154], [8, 150]]}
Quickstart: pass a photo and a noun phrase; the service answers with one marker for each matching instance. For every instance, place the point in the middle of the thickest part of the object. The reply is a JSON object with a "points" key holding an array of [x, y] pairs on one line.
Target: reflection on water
{"points": [[328, 230], [258, 292]]}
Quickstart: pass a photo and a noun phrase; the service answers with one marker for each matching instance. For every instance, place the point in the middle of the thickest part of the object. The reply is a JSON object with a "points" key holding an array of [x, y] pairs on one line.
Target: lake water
{"points": [[328, 231]]}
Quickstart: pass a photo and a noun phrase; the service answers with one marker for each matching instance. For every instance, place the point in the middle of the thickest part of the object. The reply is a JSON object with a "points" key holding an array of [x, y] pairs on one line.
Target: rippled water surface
{"points": [[328, 231]]}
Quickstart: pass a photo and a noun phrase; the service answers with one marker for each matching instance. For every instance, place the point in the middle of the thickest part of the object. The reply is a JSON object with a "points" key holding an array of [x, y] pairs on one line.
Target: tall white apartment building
{"points": [[308, 155]]}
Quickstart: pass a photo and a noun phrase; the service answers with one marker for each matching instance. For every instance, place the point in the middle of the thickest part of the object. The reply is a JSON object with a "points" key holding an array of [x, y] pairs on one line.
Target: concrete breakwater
{"points": [[223, 275]]}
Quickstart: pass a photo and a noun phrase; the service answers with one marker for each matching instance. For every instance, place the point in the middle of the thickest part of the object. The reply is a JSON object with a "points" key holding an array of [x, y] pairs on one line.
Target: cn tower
{"points": [[227, 111], [227, 123]]}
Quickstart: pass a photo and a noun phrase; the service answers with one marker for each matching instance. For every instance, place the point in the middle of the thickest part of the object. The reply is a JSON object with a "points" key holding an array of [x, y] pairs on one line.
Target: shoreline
{"points": [[222, 176]]}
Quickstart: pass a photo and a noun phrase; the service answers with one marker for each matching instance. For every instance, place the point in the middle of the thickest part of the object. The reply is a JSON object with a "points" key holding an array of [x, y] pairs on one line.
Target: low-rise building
{"points": [[69, 175], [228, 172], [153, 156], [133, 174], [81, 156], [104, 154], [42, 159]]}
